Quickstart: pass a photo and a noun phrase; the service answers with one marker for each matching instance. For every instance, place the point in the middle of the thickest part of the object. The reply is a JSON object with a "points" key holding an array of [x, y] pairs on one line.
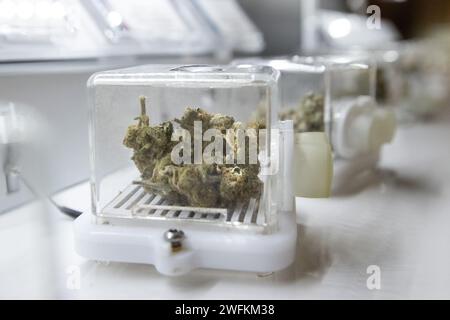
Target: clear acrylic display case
{"points": [[299, 79], [222, 196], [169, 90], [334, 94]]}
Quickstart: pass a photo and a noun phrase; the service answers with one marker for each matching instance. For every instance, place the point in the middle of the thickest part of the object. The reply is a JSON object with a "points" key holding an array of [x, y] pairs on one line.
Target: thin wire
{"points": [[63, 209]]}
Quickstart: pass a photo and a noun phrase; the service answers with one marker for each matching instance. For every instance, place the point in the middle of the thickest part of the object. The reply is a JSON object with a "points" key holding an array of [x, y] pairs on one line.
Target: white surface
{"points": [[399, 220]]}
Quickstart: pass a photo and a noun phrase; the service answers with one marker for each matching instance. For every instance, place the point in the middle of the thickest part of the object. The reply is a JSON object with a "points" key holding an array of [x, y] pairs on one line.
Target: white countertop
{"points": [[397, 219]]}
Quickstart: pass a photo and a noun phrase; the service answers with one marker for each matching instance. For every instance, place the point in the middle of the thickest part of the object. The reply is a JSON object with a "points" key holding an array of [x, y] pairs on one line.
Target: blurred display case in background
{"points": [[32, 30], [46, 30], [157, 27], [412, 77], [335, 95], [236, 31]]}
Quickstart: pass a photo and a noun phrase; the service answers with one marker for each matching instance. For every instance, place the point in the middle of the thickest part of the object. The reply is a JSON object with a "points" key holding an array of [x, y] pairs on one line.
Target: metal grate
{"points": [[135, 202]]}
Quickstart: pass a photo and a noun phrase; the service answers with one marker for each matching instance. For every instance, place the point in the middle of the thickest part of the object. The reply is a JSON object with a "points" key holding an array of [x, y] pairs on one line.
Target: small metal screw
{"points": [[175, 237]]}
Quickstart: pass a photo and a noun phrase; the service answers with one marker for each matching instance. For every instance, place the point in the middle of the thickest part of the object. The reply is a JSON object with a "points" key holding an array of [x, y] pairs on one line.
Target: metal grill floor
{"points": [[135, 202]]}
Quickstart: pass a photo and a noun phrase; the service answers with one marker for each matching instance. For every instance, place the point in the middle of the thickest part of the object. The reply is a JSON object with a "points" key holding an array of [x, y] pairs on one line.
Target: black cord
{"points": [[69, 211], [66, 210], [72, 213]]}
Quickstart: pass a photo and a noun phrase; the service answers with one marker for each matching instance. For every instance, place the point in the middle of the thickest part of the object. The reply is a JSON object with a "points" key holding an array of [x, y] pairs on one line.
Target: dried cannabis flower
{"points": [[307, 117], [150, 144], [199, 185]]}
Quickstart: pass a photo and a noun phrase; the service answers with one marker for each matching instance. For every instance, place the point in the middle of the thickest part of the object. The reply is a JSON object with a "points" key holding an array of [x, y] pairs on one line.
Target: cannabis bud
{"points": [[219, 184], [308, 116]]}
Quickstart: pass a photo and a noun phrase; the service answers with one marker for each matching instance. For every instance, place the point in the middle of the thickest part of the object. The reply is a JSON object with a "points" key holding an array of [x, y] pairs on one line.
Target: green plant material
{"points": [[308, 116], [150, 144], [198, 185]]}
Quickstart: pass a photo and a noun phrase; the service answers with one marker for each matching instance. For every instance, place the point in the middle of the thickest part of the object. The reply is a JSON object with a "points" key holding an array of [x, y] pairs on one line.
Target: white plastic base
{"points": [[347, 169], [215, 249]]}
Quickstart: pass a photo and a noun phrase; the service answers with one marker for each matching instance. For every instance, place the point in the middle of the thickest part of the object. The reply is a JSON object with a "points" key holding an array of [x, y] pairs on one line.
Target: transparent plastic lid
{"points": [[177, 144]]}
